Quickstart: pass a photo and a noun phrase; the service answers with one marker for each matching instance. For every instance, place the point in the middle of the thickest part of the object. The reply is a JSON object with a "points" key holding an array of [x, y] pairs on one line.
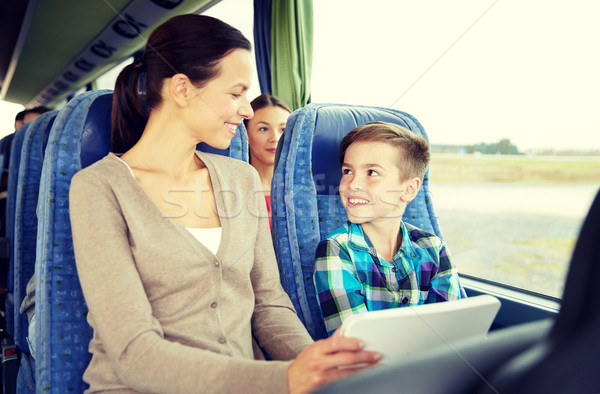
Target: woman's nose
{"points": [[245, 110]]}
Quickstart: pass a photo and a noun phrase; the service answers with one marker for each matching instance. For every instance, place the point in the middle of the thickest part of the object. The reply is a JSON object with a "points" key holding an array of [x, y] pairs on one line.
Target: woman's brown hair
{"points": [[189, 44]]}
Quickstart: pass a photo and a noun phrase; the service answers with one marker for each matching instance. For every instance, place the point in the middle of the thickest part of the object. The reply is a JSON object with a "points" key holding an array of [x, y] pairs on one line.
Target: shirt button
{"points": [[394, 269], [213, 305], [221, 340], [216, 263], [405, 300]]}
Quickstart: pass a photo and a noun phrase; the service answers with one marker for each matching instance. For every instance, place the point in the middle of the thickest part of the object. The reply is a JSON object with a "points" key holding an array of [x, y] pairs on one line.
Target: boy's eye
{"points": [[236, 95], [372, 173], [346, 171]]}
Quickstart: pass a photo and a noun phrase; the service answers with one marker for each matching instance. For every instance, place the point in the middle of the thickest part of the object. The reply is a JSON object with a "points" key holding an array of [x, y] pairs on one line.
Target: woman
{"points": [[172, 246], [264, 131]]}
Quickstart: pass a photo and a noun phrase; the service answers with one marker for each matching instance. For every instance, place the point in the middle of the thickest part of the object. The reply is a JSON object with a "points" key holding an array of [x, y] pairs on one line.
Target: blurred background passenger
{"points": [[19, 119], [264, 131], [29, 115]]}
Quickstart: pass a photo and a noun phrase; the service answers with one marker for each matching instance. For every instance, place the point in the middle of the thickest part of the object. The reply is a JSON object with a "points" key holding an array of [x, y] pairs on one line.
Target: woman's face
{"points": [[221, 105], [264, 131]]}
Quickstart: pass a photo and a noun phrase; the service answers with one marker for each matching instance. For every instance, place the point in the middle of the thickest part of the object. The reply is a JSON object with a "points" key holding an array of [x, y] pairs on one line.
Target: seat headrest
{"points": [[331, 125], [95, 137]]}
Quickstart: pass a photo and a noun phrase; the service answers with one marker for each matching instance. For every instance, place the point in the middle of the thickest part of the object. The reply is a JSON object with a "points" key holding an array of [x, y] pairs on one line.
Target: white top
{"points": [[209, 237]]}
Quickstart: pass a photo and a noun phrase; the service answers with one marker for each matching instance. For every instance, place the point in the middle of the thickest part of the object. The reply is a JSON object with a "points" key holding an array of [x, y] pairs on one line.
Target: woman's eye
{"points": [[236, 95], [372, 173], [346, 171], [282, 130], [263, 129]]}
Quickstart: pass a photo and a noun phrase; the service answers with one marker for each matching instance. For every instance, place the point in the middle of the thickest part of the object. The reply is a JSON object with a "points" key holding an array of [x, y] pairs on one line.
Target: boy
{"points": [[376, 261]]}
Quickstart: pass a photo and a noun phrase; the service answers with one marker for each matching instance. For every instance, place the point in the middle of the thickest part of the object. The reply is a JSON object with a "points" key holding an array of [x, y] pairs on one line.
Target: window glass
{"points": [[107, 80], [508, 93]]}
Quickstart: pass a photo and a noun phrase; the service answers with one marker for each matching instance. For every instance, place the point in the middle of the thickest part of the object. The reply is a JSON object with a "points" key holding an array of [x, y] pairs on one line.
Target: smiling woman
{"points": [[216, 307]]}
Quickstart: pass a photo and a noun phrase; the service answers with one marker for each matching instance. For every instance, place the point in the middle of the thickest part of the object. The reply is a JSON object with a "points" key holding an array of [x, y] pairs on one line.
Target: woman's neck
{"points": [[164, 149]]}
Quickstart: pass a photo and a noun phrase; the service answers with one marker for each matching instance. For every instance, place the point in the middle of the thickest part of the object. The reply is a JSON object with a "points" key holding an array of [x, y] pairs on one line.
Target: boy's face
{"points": [[371, 187]]}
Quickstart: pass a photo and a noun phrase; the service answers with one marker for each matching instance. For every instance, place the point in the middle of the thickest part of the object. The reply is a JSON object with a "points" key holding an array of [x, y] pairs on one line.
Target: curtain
{"points": [[291, 50], [262, 43]]}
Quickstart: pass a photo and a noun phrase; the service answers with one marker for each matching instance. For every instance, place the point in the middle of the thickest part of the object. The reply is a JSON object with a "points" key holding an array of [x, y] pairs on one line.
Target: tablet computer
{"points": [[402, 332]]}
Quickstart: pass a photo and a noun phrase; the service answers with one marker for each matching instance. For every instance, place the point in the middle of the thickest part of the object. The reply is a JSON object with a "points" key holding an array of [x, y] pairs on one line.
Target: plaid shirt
{"points": [[351, 277]]}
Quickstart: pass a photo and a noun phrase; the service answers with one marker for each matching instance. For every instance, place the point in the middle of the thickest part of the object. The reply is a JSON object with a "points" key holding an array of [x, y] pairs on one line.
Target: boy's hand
{"points": [[319, 363]]}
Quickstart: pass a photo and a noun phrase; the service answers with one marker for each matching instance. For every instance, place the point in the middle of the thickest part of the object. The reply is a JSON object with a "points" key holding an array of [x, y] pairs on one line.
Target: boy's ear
{"points": [[181, 89], [412, 188]]}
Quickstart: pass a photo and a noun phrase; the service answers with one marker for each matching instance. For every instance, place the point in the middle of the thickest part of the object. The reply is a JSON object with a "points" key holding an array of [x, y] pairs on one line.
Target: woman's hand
{"points": [[319, 363]]}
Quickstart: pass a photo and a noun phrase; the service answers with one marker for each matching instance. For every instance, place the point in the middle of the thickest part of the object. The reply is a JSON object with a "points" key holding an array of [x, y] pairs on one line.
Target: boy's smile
{"points": [[357, 201], [372, 188]]}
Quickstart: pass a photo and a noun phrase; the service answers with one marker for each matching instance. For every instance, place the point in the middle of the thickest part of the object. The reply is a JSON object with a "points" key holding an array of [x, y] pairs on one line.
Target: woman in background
{"points": [[264, 131]]}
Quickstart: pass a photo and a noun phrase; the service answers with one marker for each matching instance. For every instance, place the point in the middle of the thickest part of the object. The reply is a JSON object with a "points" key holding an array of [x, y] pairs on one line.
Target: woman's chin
{"points": [[222, 145]]}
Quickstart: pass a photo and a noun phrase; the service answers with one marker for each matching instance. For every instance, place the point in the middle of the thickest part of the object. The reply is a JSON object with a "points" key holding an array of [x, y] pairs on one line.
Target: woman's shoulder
{"points": [[105, 169], [227, 164]]}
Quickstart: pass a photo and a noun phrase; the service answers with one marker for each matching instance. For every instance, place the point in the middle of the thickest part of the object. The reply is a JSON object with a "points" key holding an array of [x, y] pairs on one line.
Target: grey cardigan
{"points": [[168, 315]]}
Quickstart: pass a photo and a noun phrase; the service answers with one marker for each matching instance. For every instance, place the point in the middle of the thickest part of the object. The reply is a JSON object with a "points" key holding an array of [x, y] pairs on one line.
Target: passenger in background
{"points": [[172, 246], [19, 119], [29, 115], [264, 131], [376, 261]]}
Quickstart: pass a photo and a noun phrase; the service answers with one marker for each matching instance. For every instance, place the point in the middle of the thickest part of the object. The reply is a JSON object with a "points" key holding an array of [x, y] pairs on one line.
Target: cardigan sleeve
{"points": [[275, 324], [121, 313]]}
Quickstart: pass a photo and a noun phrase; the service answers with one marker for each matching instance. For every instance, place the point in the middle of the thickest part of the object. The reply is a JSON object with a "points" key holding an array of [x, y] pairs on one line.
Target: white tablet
{"points": [[401, 332]]}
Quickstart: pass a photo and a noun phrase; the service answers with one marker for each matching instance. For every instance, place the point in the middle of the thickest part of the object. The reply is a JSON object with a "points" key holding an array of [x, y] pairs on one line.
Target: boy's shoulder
{"points": [[422, 238], [339, 235]]}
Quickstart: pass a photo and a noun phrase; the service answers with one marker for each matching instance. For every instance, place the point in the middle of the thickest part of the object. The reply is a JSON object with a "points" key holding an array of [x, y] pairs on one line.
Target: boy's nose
{"points": [[355, 184]]}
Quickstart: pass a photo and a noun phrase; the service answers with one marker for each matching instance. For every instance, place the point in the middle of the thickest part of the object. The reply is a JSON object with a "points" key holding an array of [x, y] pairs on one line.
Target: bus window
{"points": [[107, 80], [507, 92]]}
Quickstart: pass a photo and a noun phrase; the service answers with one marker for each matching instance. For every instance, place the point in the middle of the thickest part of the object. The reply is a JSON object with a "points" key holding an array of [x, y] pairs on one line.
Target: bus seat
{"points": [[24, 244], [11, 196], [80, 136], [456, 369], [305, 199], [5, 145]]}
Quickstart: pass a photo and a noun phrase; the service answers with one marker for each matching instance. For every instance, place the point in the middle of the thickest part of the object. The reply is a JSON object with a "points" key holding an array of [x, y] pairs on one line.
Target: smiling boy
{"points": [[376, 261]]}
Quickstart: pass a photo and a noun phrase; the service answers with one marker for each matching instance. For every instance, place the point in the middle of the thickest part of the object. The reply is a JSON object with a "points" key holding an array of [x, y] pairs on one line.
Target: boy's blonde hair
{"points": [[413, 157]]}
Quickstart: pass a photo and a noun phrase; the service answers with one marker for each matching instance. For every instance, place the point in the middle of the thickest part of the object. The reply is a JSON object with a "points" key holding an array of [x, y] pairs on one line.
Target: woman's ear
{"points": [[181, 89], [412, 188]]}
